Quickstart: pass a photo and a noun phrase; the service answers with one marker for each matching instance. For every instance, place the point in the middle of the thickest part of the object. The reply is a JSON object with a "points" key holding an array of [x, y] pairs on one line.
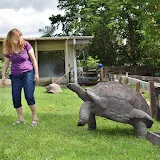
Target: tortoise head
{"points": [[71, 86], [75, 87], [79, 90]]}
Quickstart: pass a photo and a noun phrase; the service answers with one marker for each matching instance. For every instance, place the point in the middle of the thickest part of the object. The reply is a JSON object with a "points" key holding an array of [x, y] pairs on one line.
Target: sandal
{"points": [[18, 122], [34, 123]]}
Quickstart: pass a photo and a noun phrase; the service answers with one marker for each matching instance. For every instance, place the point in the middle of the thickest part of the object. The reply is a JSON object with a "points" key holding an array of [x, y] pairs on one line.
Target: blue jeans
{"points": [[25, 81]]}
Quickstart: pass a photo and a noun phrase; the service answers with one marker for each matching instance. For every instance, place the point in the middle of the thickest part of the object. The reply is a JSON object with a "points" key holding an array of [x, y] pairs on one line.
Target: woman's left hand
{"points": [[36, 78]]}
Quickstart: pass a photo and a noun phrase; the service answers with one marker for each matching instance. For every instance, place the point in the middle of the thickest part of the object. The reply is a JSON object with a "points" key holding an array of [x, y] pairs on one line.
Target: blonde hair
{"points": [[8, 45]]}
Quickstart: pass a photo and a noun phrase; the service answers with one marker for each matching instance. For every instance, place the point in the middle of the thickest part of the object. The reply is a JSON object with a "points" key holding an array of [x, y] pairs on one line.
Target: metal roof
{"points": [[55, 38]]}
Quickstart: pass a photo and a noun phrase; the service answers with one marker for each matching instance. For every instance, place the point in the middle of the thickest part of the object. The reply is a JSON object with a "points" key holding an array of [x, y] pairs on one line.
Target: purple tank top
{"points": [[20, 62]]}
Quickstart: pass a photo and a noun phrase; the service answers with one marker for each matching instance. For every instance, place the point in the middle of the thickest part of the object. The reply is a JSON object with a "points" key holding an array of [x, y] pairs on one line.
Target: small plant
{"points": [[89, 63], [157, 74]]}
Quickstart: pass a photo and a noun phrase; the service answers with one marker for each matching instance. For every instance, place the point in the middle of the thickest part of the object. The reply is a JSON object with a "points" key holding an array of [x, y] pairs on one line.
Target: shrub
{"points": [[89, 63]]}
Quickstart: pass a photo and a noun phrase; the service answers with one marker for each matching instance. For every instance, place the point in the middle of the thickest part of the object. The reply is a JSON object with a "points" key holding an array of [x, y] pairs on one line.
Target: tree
{"points": [[47, 31], [126, 31], [150, 24]]}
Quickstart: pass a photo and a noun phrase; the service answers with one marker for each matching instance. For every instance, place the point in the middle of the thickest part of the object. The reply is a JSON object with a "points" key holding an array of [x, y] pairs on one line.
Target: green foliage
{"points": [[157, 74], [47, 31], [57, 136], [126, 32], [89, 63]]}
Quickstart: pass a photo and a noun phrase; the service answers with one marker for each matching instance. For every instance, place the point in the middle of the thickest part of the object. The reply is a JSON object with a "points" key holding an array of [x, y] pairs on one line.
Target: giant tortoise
{"points": [[53, 88], [113, 101]]}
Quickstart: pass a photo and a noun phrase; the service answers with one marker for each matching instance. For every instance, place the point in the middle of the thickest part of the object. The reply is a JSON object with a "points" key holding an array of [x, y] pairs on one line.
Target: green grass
{"points": [[57, 136]]}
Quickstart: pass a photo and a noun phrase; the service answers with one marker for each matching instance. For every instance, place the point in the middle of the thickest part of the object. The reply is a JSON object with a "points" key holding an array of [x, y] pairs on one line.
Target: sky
{"points": [[26, 15]]}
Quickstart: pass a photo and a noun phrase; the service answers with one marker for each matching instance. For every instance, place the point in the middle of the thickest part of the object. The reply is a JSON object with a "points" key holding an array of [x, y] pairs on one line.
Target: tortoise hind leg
{"points": [[141, 129], [92, 122]]}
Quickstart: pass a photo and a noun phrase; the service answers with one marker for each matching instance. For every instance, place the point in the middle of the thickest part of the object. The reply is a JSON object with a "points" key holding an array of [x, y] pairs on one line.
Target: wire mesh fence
{"points": [[1, 65]]}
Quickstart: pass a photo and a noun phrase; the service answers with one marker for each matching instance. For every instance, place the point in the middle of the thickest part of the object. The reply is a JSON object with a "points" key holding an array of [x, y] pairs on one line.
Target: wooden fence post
{"points": [[102, 74], [138, 86], [110, 76], [157, 103], [105, 72], [125, 80], [152, 99], [120, 79]]}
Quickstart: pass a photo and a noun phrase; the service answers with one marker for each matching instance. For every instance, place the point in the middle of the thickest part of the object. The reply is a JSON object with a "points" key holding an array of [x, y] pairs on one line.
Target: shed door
{"points": [[51, 63]]}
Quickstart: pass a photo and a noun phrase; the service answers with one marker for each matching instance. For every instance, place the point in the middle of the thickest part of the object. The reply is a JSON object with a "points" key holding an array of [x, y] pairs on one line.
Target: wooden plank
{"points": [[102, 75], [154, 138], [157, 114], [143, 84], [126, 80], [138, 86], [152, 98]]}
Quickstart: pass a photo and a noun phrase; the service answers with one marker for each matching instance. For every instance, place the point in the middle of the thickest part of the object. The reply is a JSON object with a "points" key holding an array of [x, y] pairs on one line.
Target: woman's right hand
{"points": [[4, 69], [3, 81]]}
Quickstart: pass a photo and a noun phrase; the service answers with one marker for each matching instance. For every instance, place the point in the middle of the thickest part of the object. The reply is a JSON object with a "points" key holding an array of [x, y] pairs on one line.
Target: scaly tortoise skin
{"points": [[114, 101]]}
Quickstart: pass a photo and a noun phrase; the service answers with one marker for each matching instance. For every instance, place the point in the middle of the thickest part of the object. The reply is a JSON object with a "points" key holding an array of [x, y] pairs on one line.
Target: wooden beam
{"points": [[101, 74], [152, 98], [67, 67], [36, 51], [138, 86], [74, 62], [157, 115]]}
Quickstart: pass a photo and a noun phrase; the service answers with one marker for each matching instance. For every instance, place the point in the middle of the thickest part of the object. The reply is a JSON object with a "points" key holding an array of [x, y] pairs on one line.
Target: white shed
{"points": [[52, 69]]}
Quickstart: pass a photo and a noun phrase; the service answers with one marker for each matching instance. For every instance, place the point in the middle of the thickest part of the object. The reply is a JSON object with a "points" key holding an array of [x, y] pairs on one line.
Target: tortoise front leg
{"points": [[141, 129], [92, 122], [84, 113]]}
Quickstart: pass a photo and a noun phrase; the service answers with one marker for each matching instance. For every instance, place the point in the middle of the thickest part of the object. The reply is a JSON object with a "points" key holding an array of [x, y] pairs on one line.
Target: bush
{"points": [[89, 63], [157, 74]]}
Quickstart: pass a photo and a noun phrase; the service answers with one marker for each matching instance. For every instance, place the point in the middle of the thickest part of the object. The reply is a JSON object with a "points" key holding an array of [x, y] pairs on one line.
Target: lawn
{"points": [[57, 136]]}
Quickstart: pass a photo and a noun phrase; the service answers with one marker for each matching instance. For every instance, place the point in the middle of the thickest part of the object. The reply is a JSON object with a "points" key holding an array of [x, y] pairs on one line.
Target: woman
{"points": [[24, 72]]}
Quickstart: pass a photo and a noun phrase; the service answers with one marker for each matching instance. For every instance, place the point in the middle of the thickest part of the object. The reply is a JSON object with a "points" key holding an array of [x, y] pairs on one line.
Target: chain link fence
{"points": [[1, 63]]}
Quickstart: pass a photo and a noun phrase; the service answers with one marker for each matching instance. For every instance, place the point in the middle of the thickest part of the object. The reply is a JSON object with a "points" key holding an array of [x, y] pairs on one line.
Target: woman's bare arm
{"points": [[34, 62], [4, 69]]}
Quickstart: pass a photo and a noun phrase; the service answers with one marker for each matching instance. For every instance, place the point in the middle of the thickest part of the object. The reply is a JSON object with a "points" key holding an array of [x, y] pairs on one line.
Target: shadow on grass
{"points": [[66, 124], [117, 131]]}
